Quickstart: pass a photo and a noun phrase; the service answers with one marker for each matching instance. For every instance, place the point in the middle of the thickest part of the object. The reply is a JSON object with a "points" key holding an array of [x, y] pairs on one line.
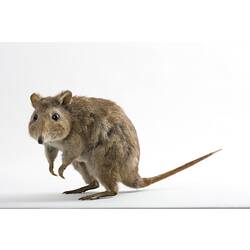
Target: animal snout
{"points": [[40, 139]]}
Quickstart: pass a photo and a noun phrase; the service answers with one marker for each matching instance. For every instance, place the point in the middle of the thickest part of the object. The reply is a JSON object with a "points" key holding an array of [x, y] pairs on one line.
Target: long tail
{"points": [[143, 182]]}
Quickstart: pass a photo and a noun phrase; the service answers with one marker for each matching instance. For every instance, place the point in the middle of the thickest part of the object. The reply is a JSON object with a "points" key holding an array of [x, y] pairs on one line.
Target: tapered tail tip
{"points": [[216, 151]]}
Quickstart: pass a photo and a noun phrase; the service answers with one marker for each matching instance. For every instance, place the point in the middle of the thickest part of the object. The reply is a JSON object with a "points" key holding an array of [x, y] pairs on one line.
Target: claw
{"points": [[60, 171], [52, 170]]}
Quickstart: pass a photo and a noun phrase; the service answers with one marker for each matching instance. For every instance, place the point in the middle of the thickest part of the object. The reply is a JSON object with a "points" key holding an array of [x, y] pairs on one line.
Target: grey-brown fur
{"points": [[96, 137]]}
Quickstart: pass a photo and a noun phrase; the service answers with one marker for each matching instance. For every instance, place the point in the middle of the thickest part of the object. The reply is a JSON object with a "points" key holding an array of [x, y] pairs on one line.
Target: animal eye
{"points": [[35, 117], [55, 116]]}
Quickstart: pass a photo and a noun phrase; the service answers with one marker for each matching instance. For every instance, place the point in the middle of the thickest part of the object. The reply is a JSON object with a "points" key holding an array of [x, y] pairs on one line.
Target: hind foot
{"points": [[92, 185], [98, 195]]}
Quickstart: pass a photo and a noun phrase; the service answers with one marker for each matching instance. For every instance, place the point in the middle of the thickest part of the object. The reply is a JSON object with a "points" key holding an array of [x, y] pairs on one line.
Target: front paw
{"points": [[61, 170], [51, 169]]}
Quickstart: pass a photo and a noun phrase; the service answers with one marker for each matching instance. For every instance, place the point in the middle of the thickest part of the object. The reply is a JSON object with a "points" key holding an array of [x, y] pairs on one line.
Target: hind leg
{"points": [[110, 183], [90, 180]]}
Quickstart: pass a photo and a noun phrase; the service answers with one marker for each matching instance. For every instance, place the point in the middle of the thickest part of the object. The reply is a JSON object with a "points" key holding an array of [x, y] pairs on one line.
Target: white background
{"points": [[172, 22], [185, 100]]}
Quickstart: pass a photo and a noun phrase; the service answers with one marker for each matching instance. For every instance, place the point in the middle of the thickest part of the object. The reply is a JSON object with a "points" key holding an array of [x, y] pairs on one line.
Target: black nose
{"points": [[40, 140]]}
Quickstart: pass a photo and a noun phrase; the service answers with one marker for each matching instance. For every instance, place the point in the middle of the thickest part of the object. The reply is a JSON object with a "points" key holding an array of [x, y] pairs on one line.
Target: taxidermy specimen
{"points": [[96, 137]]}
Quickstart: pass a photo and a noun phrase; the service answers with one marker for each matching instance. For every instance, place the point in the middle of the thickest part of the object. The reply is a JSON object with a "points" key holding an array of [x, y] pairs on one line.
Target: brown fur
{"points": [[94, 135]]}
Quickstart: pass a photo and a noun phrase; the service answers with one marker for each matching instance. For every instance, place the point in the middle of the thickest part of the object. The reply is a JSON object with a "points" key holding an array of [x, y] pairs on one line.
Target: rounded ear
{"points": [[35, 98], [65, 97]]}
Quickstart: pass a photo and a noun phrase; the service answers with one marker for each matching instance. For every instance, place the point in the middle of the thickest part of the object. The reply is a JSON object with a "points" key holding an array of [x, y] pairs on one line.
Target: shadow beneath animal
{"points": [[54, 197]]}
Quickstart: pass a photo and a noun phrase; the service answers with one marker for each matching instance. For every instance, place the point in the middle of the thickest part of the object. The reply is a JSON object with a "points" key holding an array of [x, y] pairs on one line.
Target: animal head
{"points": [[50, 121]]}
